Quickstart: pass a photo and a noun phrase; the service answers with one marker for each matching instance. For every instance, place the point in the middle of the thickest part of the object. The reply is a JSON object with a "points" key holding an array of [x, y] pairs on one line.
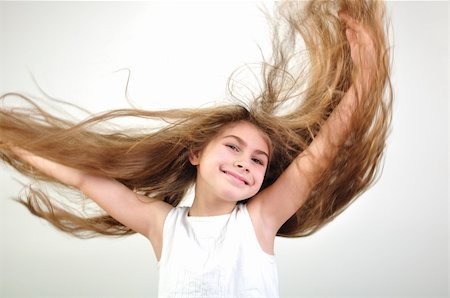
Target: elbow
{"points": [[80, 181], [310, 168]]}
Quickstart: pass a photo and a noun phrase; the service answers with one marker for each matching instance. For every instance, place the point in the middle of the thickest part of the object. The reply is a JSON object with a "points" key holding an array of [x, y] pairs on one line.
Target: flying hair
{"points": [[309, 71]]}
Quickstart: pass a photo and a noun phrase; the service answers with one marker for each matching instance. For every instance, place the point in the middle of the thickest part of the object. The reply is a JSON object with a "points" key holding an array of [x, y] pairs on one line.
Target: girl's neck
{"points": [[203, 208]]}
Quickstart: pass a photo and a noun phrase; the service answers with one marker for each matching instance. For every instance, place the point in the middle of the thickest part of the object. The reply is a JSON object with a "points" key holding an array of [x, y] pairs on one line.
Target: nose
{"points": [[242, 165]]}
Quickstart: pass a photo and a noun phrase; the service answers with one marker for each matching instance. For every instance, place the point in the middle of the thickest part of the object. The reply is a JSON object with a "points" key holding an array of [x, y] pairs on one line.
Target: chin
{"points": [[233, 195], [230, 197]]}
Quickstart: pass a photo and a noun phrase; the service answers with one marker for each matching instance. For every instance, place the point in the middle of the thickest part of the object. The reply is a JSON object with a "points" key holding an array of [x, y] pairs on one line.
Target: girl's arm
{"points": [[143, 215], [298, 180]]}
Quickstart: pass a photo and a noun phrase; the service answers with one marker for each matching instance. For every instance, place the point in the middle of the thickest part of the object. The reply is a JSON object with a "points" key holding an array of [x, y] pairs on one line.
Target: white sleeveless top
{"points": [[214, 257]]}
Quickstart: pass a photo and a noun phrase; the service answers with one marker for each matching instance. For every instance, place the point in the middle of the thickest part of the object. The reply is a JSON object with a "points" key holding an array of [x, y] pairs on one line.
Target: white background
{"points": [[392, 242]]}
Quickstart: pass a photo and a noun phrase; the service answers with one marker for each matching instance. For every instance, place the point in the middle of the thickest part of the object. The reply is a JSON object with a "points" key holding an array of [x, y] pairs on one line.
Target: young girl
{"points": [[284, 164]]}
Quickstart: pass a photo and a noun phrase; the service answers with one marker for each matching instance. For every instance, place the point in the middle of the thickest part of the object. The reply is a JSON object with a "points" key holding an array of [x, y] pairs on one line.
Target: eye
{"points": [[233, 147], [258, 161]]}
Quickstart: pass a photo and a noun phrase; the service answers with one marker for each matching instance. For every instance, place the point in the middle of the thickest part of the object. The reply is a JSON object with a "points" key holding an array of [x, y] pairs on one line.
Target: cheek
{"points": [[213, 161], [260, 174]]}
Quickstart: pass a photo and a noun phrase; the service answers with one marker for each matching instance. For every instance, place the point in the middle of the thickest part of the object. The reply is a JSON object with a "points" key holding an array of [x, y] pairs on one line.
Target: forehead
{"points": [[248, 132]]}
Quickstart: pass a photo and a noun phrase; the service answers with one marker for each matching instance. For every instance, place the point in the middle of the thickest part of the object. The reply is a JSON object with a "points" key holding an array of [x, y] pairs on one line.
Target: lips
{"points": [[236, 176]]}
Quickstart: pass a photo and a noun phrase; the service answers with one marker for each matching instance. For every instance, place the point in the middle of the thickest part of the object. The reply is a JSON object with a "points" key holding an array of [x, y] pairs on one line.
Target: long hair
{"points": [[307, 74]]}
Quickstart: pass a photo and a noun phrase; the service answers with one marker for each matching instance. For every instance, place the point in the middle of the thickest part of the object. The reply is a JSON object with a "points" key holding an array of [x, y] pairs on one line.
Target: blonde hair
{"points": [[300, 90]]}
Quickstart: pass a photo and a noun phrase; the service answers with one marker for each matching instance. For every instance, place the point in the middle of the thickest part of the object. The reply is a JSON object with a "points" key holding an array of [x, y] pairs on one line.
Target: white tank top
{"points": [[214, 257]]}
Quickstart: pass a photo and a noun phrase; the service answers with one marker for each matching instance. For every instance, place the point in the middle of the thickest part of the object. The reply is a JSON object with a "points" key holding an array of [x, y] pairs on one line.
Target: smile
{"points": [[236, 177]]}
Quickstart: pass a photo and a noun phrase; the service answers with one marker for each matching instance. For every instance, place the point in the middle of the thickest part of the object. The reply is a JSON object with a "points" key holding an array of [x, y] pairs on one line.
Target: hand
{"points": [[362, 51]]}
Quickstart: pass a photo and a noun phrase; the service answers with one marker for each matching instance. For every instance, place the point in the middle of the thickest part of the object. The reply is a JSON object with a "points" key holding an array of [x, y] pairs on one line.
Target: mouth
{"points": [[236, 177]]}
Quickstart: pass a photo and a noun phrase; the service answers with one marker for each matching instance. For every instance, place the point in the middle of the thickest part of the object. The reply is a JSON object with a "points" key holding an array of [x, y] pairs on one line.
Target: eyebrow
{"points": [[243, 143]]}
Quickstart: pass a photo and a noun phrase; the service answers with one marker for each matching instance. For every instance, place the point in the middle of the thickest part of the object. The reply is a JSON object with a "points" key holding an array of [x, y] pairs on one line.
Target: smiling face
{"points": [[232, 166]]}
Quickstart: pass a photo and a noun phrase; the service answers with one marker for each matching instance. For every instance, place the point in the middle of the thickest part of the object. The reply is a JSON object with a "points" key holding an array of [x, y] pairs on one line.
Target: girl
{"points": [[284, 164]]}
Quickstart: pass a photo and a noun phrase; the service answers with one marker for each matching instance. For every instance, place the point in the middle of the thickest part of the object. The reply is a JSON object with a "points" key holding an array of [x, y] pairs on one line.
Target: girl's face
{"points": [[232, 166]]}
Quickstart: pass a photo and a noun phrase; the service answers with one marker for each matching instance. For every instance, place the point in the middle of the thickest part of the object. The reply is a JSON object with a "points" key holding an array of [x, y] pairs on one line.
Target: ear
{"points": [[194, 157]]}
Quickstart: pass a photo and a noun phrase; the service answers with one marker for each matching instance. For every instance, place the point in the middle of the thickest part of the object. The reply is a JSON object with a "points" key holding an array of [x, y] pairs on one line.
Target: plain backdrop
{"points": [[392, 242]]}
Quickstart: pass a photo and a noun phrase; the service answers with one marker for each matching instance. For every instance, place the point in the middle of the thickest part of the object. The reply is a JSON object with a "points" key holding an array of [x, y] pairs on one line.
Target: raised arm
{"points": [[277, 203], [143, 215]]}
